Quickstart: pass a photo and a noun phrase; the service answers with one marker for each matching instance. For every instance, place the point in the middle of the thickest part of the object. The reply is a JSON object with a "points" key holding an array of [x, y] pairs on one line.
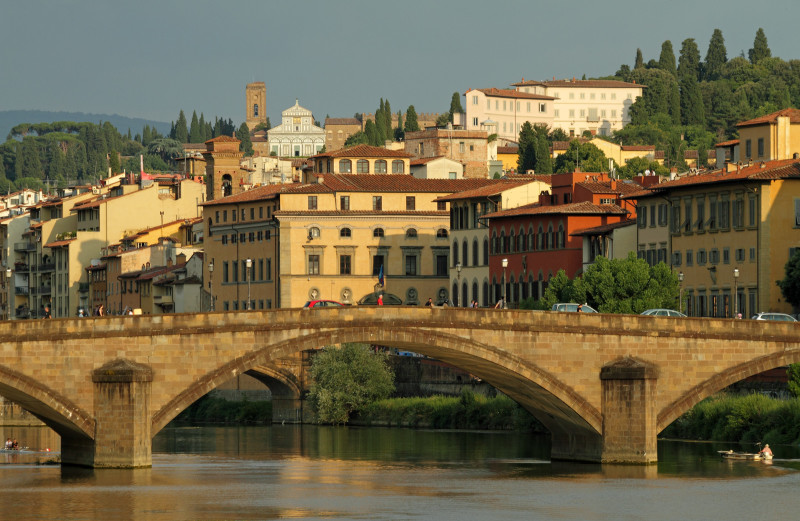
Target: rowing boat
{"points": [[747, 456]]}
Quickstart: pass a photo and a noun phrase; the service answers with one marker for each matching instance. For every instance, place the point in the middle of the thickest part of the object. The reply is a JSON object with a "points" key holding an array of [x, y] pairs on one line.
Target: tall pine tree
{"points": [[639, 61], [666, 61], [760, 48], [181, 129], [716, 57], [411, 120], [195, 131]]}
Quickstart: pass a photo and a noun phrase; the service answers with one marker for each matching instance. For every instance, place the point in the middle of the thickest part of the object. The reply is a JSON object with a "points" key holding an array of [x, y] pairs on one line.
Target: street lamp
{"points": [[735, 292], [9, 291], [248, 262], [210, 281], [680, 292], [458, 284], [505, 265]]}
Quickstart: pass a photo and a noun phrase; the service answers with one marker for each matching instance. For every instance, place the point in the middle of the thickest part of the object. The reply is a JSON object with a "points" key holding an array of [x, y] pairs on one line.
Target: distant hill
{"points": [[11, 118]]}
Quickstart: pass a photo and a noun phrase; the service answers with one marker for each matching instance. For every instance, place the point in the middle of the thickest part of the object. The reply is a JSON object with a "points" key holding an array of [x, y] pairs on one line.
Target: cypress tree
{"points": [[760, 48], [692, 108], [639, 61], [526, 154], [243, 135], [195, 134], [181, 130], [667, 59], [411, 120], [58, 163], [716, 56], [398, 132], [387, 122], [689, 61], [455, 106], [371, 131]]}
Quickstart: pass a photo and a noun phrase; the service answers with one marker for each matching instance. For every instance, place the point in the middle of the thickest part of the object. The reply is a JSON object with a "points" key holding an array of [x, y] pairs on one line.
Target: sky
{"points": [[153, 58]]}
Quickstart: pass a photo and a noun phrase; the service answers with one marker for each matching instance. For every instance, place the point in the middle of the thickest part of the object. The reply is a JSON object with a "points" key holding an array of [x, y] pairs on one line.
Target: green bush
{"points": [[218, 410]]}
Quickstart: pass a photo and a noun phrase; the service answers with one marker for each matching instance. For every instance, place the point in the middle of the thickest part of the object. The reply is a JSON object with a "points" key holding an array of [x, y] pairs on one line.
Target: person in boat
{"points": [[9, 444], [15, 445], [766, 451]]}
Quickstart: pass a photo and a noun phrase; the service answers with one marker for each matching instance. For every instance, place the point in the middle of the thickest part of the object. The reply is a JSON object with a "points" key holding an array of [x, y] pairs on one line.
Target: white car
{"points": [[571, 306], [782, 317], [662, 312]]}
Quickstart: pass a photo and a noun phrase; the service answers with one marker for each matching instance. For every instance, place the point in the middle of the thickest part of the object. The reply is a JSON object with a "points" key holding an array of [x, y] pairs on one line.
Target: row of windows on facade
{"points": [[702, 257], [721, 304], [748, 148], [582, 95], [511, 106], [362, 166], [377, 203], [260, 271], [518, 243], [720, 210], [411, 233], [463, 217], [242, 214], [86, 215], [411, 264], [257, 236], [254, 304]]}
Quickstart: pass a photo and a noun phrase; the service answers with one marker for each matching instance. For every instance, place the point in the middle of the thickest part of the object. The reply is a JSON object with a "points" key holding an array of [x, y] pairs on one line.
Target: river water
{"points": [[351, 473]]}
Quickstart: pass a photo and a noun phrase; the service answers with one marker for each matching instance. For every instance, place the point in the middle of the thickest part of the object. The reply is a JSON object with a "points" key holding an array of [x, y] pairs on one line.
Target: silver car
{"points": [[663, 312], [782, 317], [570, 306]]}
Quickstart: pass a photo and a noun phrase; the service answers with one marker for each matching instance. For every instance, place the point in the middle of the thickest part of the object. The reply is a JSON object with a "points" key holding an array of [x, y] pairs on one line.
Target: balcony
{"points": [[21, 268], [44, 290], [163, 300], [24, 246], [50, 266], [83, 287], [21, 290]]}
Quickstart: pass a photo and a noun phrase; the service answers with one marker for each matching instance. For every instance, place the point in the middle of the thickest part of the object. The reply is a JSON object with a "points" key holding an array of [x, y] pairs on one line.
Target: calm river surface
{"points": [[309, 472]]}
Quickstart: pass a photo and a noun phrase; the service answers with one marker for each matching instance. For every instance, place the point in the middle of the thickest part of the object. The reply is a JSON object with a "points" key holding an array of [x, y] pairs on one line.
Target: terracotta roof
{"points": [[508, 150], [424, 160], [57, 244], [342, 121], [638, 148], [792, 114], [544, 178], [152, 228], [495, 188], [398, 183], [223, 139], [609, 84], [730, 143], [564, 145], [781, 169], [262, 193], [363, 151], [605, 228], [600, 187], [582, 208], [510, 93], [322, 213]]}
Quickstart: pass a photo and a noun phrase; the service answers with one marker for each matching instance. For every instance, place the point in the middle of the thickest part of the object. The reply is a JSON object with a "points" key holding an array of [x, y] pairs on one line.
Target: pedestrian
{"points": [[580, 308], [501, 304], [474, 304], [101, 311], [429, 303], [380, 300], [47, 312]]}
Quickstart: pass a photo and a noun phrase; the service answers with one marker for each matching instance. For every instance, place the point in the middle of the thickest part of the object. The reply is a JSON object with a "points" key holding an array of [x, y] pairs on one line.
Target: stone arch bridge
{"points": [[605, 385]]}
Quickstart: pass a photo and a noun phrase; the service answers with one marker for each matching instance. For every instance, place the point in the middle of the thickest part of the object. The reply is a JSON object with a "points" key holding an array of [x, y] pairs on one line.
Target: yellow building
{"points": [[329, 239], [732, 233], [621, 154], [362, 159], [774, 136], [509, 156]]}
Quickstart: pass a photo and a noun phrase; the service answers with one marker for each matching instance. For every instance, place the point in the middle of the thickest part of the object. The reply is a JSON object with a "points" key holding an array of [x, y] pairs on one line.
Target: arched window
{"points": [[362, 166], [345, 232], [503, 242], [475, 295], [411, 233], [485, 252], [485, 299], [377, 232], [227, 185], [442, 233], [494, 243], [521, 240], [464, 294], [398, 167], [531, 244], [455, 253], [465, 250], [455, 293], [255, 109], [475, 255], [561, 236], [512, 242], [210, 233], [345, 166], [550, 237], [540, 239], [380, 166], [313, 233]]}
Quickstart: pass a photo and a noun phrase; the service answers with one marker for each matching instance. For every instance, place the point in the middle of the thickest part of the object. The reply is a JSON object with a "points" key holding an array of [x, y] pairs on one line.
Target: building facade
{"points": [[337, 130], [504, 111], [468, 147], [256, 104], [362, 159], [297, 135]]}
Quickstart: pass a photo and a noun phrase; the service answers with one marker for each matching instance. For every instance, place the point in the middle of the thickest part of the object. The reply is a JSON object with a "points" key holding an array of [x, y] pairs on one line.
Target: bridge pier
{"points": [[122, 419], [629, 413]]}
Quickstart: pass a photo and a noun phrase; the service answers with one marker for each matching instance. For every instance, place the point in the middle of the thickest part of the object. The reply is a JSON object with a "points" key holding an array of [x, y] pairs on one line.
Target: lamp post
{"points": [[458, 284], [210, 283], [9, 291], [505, 265], [248, 262], [680, 292], [735, 292]]}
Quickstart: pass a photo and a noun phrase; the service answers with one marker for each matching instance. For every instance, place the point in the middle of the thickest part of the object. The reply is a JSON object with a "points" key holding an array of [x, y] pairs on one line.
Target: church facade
{"points": [[297, 135]]}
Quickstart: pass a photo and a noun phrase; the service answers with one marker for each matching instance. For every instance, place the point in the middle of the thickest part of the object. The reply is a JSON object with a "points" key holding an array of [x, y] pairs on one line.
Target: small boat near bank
{"points": [[746, 456]]}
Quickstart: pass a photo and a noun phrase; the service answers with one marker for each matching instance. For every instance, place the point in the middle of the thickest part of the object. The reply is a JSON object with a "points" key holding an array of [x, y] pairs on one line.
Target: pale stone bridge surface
{"points": [[605, 385]]}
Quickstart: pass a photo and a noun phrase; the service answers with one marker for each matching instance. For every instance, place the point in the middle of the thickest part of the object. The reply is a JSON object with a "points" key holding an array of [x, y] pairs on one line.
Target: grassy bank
{"points": [[751, 418], [218, 410], [469, 411]]}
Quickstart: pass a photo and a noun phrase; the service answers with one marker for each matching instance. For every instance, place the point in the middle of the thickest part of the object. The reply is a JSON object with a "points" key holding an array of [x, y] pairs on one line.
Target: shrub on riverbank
{"points": [[469, 411], [750, 418], [218, 410]]}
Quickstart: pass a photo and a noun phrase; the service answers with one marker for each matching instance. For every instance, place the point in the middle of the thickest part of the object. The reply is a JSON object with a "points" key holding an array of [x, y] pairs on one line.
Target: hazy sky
{"points": [[152, 58]]}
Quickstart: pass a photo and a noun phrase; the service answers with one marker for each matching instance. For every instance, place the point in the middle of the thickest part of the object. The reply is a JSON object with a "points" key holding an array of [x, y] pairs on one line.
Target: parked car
{"points": [[572, 307], [322, 304], [782, 317], [662, 312]]}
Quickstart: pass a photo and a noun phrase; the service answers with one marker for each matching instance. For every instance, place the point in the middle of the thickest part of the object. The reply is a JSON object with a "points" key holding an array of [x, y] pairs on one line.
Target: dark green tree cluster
{"points": [[585, 157], [534, 149], [455, 108], [200, 130]]}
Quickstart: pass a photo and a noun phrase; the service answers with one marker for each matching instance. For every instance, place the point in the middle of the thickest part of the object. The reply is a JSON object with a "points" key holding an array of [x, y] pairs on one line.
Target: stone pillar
{"points": [[122, 415], [629, 414]]}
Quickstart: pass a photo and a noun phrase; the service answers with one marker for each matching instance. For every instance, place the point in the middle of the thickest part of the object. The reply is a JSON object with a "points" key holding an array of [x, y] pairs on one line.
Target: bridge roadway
{"points": [[605, 385]]}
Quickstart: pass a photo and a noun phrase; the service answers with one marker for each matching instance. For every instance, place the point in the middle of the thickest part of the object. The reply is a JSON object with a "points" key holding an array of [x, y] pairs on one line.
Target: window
{"points": [[739, 254], [377, 232], [748, 149], [761, 147], [542, 107], [362, 166], [398, 167], [345, 166], [442, 233], [751, 211], [738, 212], [441, 265], [312, 202], [344, 202], [676, 258], [689, 258], [713, 256], [380, 166], [313, 264], [797, 212], [345, 232], [377, 202], [475, 122], [641, 217], [701, 257], [411, 203], [474, 100], [313, 233], [726, 255], [345, 265], [377, 263], [411, 233], [461, 147], [411, 265]]}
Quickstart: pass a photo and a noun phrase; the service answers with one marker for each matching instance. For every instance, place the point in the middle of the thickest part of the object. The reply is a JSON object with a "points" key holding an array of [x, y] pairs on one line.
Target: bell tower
{"points": [[224, 176], [256, 100]]}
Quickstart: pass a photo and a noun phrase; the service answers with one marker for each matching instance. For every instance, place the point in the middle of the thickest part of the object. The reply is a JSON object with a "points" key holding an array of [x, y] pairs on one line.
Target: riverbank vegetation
{"points": [[209, 409], [469, 411], [752, 418]]}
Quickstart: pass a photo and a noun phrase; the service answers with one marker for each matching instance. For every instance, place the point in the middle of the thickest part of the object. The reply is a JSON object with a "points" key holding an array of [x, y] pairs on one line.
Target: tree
{"points": [[526, 154], [113, 161], [455, 106], [243, 135], [165, 148], [398, 132], [345, 379], [195, 130], [760, 48], [181, 130], [790, 284], [716, 57], [411, 120], [371, 132], [589, 159], [638, 63], [359, 138], [692, 107], [28, 163], [666, 61], [629, 285], [689, 60]]}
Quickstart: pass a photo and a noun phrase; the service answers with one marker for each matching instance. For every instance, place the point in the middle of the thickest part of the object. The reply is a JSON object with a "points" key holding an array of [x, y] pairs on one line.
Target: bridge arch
{"points": [[550, 400], [56, 411], [722, 380]]}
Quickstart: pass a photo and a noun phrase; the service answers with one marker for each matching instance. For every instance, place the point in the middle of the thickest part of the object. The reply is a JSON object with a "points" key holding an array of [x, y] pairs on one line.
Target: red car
{"points": [[322, 304]]}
